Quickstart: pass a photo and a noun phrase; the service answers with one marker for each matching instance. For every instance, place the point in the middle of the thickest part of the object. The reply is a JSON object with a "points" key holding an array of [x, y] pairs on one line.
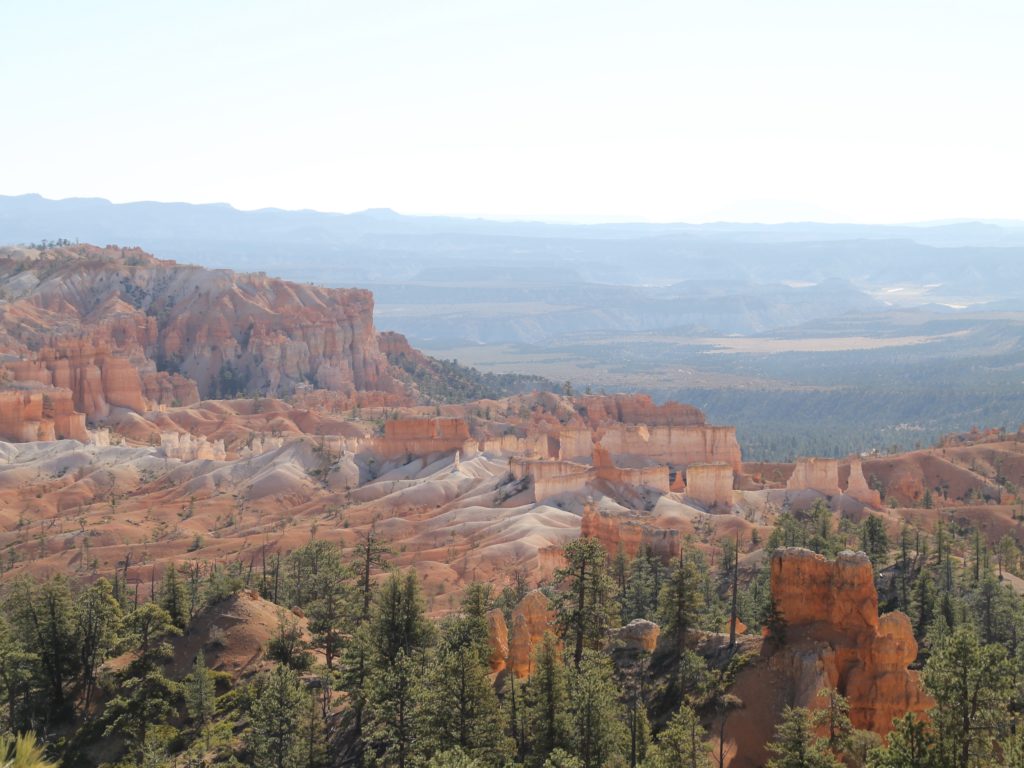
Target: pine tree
{"points": [[972, 685], [97, 622], [546, 702], [922, 606], [16, 672], [398, 634], [331, 604], [834, 717], [458, 703], [910, 744], [681, 744], [275, 714], [22, 751], [145, 695], [875, 541], [639, 598], [585, 602], [200, 696], [312, 742], [172, 597], [597, 719], [391, 699], [681, 600], [796, 746], [43, 619]]}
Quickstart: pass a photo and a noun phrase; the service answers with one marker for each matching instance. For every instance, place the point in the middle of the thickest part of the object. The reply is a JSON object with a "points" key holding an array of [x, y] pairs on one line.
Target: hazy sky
{"points": [[864, 110]]}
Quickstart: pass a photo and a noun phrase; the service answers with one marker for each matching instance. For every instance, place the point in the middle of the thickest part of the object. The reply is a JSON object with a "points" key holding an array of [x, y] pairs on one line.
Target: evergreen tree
{"points": [[681, 744], [910, 744], [145, 695], [200, 696], [922, 606], [275, 713], [796, 746], [287, 646], [391, 698], [42, 616], [681, 600], [370, 555], [97, 622], [597, 719], [834, 717], [16, 673], [639, 595], [312, 746], [458, 703], [874, 540], [546, 702], [972, 685], [172, 597], [398, 634], [585, 601], [327, 597]]}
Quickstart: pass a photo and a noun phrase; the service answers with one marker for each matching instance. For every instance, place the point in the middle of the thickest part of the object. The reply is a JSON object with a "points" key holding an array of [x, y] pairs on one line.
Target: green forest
{"points": [[84, 675]]}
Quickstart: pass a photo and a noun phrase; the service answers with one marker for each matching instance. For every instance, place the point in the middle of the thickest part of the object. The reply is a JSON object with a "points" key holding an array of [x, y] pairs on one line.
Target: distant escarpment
{"points": [[117, 327]]}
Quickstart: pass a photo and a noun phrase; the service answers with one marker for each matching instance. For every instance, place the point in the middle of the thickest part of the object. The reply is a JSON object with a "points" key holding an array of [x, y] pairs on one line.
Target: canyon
{"points": [[154, 414]]}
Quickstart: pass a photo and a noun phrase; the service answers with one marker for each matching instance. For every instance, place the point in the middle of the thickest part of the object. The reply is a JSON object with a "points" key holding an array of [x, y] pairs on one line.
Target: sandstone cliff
{"points": [[833, 638], [120, 328]]}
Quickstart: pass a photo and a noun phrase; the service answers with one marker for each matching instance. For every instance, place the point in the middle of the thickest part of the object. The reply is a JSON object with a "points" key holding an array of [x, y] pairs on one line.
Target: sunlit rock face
{"points": [[119, 328]]}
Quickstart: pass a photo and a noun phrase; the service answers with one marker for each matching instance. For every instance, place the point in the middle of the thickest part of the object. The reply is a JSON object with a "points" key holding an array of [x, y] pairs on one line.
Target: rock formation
{"points": [[834, 638], [185, 447], [631, 536], [638, 409], [530, 620], [811, 474], [35, 412], [639, 636], [649, 475], [835, 603], [552, 478], [422, 437], [710, 484], [857, 487], [497, 635], [120, 328], [677, 447]]}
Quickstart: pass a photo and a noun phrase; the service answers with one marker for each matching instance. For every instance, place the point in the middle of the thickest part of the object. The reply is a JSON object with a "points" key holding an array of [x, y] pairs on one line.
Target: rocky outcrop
{"points": [[639, 636], [185, 447], [830, 610], [710, 485], [422, 437], [120, 328], [649, 475], [811, 474], [857, 487], [530, 620], [497, 637], [628, 535], [637, 409], [552, 478], [32, 411], [833, 638], [677, 447]]}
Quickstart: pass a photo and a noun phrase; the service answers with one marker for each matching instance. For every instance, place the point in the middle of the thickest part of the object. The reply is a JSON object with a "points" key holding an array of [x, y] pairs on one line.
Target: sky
{"points": [[754, 110]]}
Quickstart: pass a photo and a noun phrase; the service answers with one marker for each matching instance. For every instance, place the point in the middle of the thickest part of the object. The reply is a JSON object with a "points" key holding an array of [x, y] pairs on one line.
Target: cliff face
{"points": [[710, 484], [814, 474], [120, 328], [834, 638], [834, 604]]}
